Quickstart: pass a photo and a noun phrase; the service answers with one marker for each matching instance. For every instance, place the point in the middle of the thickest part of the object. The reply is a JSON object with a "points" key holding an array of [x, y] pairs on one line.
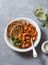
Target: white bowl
{"points": [[43, 47], [8, 41]]}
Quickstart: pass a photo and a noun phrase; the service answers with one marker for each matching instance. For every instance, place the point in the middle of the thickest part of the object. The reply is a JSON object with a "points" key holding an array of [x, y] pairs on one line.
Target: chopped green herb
{"points": [[20, 44], [43, 25], [16, 41], [13, 39], [16, 44]]}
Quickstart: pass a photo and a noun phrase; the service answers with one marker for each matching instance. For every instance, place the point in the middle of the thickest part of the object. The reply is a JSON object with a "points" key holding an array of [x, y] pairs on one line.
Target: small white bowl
{"points": [[8, 41], [44, 50]]}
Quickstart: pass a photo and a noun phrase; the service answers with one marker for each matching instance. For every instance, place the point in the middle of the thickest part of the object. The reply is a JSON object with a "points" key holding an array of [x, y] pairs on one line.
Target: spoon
{"points": [[34, 51]]}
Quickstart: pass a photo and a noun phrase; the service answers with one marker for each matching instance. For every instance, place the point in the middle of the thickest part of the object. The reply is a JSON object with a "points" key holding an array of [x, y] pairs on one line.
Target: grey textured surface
{"points": [[11, 9]]}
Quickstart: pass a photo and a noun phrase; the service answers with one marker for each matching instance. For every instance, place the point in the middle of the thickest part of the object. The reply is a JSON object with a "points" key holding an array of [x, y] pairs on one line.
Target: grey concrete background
{"points": [[9, 10]]}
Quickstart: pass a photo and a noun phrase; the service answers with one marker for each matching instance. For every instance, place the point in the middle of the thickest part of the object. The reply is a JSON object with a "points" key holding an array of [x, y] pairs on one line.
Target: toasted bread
{"points": [[11, 27]]}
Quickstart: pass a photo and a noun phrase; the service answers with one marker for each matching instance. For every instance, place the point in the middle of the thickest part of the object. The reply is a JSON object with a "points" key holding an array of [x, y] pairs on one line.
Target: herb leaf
{"points": [[14, 40], [43, 25], [17, 42]]}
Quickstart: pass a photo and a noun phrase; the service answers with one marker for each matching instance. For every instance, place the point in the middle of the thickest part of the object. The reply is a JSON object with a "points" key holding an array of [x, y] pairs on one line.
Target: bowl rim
{"points": [[18, 49]]}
